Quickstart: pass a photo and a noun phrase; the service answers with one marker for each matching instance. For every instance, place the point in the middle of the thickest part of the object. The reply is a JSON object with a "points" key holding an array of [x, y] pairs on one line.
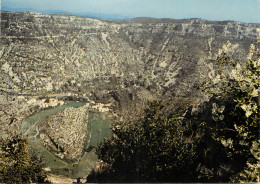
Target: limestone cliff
{"points": [[46, 59]]}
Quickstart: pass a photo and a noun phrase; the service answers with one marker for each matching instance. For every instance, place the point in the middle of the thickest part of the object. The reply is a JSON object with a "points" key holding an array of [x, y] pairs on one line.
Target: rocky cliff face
{"points": [[57, 53], [120, 63]]}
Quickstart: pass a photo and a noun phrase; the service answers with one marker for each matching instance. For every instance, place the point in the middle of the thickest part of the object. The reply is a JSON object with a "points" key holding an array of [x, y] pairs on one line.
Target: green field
{"points": [[98, 130]]}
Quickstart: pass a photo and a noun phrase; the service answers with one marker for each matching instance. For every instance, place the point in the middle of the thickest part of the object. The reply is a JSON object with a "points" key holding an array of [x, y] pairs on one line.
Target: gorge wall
{"points": [[46, 60]]}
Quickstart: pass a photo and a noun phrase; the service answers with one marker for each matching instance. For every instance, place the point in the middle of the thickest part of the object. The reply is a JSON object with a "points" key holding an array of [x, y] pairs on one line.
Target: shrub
{"points": [[17, 165], [154, 149]]}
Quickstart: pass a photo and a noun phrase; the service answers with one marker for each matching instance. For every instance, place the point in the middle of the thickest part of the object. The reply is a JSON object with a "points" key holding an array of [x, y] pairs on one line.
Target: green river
{"points": [[99, 129]]}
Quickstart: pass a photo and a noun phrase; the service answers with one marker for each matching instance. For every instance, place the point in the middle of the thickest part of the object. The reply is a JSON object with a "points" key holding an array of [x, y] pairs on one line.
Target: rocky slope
{"points": [[48, 59]]}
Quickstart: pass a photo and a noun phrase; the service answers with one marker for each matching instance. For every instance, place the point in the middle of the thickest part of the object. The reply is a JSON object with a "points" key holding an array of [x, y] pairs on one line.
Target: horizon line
{"points": [[88, 15], [105, 17]]}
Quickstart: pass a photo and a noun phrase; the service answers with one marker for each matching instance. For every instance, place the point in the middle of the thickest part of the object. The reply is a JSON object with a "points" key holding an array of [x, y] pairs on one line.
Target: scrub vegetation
{"points": [[217, 141], [17, 164]]}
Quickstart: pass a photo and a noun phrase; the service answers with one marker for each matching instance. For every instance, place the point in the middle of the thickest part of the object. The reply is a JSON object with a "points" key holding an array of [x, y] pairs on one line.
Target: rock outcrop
{"points": [[46, 60]]}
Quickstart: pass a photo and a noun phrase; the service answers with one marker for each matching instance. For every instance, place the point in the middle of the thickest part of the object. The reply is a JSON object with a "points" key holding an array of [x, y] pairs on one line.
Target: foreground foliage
{"points": [[217, 141], [17, 165], [150, 150], [239, 83]]}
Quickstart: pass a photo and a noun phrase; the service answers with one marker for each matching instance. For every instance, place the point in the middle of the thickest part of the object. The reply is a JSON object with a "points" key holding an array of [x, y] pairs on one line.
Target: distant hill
{"points": [[83, 14]]}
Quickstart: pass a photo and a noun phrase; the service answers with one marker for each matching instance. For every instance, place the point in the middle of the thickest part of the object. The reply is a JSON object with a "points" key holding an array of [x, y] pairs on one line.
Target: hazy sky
{"points": [[239, 10]]}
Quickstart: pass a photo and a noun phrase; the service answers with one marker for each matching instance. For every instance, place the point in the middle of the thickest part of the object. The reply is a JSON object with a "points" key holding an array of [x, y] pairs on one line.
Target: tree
{"points": [[154, 149], [217, 141], [238, 87], [245, 85], [17, 165]]}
